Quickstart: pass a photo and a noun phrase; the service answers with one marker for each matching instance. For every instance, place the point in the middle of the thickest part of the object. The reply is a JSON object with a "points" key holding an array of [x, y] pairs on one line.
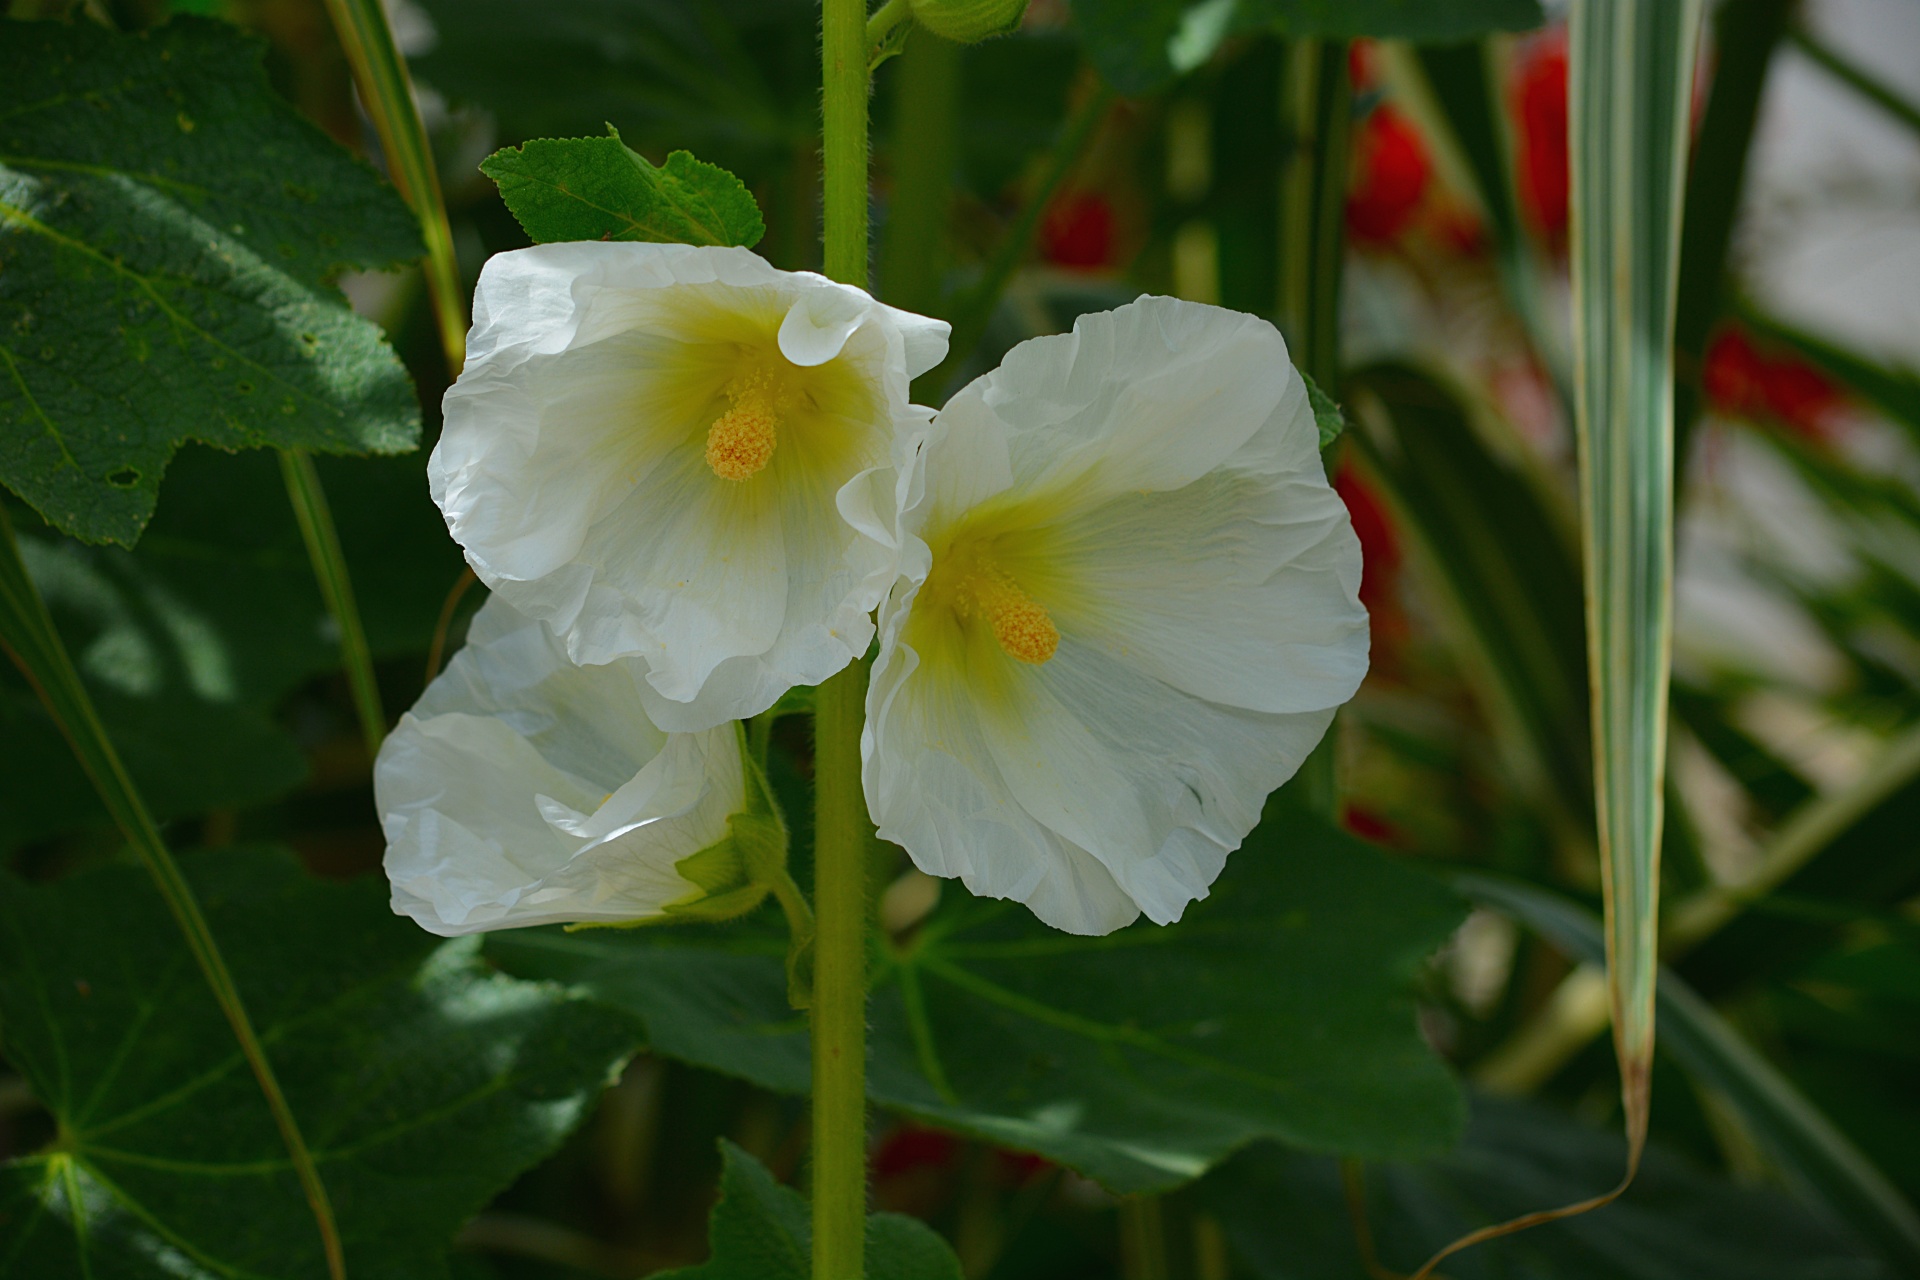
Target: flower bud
{"points": [[969, 21]]}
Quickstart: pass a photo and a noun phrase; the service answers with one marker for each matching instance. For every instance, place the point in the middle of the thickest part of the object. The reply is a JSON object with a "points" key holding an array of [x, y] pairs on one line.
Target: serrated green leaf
{"points": [[602, 189], [424, 1081], [1139, 45], [1280, 1006], [168, 226], [760, 1230], [1286, 1214]]}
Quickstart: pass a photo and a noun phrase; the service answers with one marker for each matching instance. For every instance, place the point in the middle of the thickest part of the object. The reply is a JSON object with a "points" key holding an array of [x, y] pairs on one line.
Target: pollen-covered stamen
{"points": [[1020, 623], [740, 441]]}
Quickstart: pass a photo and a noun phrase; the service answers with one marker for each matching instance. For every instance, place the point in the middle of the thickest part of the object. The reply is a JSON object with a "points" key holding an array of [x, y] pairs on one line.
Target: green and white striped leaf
{"points": [[1629, 89]]}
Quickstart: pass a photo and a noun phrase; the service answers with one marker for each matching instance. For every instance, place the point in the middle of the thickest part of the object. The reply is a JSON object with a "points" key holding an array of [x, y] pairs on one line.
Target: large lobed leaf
{"points": [[422, 1081], [1280, 1006], [168, 229], [760, 1230]]}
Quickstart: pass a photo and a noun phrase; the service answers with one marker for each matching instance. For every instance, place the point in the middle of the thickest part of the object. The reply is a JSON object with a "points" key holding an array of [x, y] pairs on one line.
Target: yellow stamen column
{"points": [[839, 1012]]}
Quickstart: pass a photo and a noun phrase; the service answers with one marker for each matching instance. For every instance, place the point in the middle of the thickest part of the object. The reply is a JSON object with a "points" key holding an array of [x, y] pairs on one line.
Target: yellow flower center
{"points": [[740, 442], [1020, 623]]}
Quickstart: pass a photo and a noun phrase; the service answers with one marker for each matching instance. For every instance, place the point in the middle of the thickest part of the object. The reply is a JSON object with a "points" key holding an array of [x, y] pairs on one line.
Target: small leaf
{"points": [[160, 282], [760, 1231], [1281, 1005], [601, 189], [424, 1080], [1326, 414]]}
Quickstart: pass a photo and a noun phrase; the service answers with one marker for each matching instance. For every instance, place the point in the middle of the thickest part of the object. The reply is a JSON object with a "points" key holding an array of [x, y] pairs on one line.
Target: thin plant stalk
{"points": [[1318, 106], [838, 1013], [387, 90], [973, 308], [336, 587], [28, 636]]}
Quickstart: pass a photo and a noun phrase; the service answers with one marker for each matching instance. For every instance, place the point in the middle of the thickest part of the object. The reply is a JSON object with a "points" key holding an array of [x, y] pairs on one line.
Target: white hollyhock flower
{"points": [[522, 789], [1129, 609], [645, 451]]}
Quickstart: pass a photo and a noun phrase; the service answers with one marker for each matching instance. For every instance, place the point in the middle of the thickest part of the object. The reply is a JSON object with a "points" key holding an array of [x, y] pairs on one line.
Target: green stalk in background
{"points": [[336, 587], [973, 308], [387, 91], [926, 131], [1318, 109], [28, 636], [1630, 87], [839, 1002]]}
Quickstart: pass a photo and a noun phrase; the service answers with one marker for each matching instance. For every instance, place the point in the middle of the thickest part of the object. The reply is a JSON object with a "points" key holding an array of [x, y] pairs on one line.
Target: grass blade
{"points": [[1796, 1134], [387, 91], [1630, 87], [317, 530], [28, 636]]}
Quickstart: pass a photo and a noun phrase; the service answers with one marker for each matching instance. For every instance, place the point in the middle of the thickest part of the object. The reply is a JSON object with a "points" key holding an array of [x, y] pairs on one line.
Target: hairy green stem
{"points": [[838, 1012], [387, 91], [28, 635], [330, 570], [972, 309]]}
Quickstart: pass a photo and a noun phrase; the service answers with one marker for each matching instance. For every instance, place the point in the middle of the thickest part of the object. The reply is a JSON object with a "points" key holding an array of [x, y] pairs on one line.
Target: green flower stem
{"points": [[841, 917], [1319, 108], [972, 309], [839, 996], [926, 133], [887, 29], [28, 636], [330, 570], [387, 91]]}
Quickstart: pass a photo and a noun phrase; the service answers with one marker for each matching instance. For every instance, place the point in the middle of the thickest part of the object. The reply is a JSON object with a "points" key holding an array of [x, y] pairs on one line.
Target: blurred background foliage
{"points": [[1018, 184]]}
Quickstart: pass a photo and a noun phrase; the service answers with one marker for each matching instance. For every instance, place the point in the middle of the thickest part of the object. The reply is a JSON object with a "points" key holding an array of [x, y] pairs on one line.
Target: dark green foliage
{"points": [[601, 189], [168, 231], [760, 1231], [1279, 1006], [424, 1083], [197, 634], [1139, 45], [1287, 1215]]}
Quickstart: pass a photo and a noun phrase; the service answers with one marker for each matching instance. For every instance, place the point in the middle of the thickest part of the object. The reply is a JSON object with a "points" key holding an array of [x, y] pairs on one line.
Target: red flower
{"points": [[1743, 381], [1379, 546], [1078, 231], [1540, 120], [908, 1148], [1368, 825], [1391, 174]]}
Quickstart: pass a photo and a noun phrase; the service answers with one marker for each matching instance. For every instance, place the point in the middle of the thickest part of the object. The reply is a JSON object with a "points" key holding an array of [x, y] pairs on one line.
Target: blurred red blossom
{"points": [[1392, 172], [1540, 125], [1078, 231], [1743, 380]]}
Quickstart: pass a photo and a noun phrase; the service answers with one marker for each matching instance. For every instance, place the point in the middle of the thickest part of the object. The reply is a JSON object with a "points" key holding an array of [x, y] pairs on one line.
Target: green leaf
{"points": [[1629, 98], [1279, 1006], [189, 642], [424, 1081], [1801, 1140], [601, 189], [760, 1231], [1286, 1215], [1139, 45], [1326, 414], [168, 226]]}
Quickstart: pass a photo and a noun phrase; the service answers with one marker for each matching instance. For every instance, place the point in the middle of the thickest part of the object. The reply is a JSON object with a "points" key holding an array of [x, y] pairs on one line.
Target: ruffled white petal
{"points": [[522, 789], [572, 467], [1153, 480]]}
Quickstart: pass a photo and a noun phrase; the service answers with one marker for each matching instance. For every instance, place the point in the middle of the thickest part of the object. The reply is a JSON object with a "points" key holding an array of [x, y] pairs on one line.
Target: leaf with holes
{"points": [[601, 189], [1279, 1006], [168, 229], [760, 1231], [424, 1082]]}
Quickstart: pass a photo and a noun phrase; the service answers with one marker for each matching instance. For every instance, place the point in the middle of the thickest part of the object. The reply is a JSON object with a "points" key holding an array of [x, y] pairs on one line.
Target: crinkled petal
{"points": [[572, 464], [525, 790]]}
